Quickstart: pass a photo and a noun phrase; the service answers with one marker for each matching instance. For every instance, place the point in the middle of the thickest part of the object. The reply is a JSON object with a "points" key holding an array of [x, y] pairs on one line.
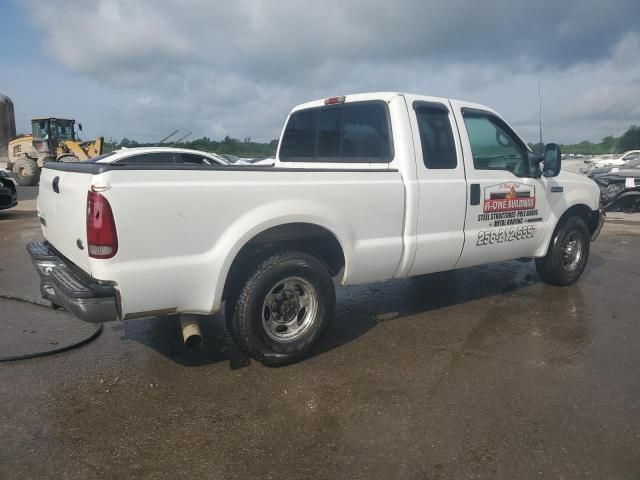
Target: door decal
{"points": [[509, 203], [507, 197]]}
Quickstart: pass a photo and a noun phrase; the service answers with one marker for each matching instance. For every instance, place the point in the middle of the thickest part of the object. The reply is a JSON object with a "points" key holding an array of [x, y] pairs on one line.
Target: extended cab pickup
{"points": [[364, 188]]}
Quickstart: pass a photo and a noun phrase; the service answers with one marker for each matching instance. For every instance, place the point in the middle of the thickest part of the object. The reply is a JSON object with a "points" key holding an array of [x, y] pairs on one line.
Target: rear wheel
{"points": [[568, 253], [26, 172], [283, 308]]}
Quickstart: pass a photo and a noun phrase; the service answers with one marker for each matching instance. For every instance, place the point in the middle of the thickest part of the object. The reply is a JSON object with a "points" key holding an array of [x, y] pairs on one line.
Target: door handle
{"points": [[475, 194], [56, 181]]}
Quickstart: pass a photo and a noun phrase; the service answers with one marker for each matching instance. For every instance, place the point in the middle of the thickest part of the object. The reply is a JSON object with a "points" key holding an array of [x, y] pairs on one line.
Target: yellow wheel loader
{"points": [[52, 139]]}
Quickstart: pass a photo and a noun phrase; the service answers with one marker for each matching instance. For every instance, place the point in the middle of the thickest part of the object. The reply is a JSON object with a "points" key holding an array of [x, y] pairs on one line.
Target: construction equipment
{"points": [[52, 139]]}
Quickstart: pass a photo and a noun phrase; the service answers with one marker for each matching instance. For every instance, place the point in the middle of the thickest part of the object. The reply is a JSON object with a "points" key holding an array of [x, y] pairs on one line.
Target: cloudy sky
{"points": [[141, 69]]}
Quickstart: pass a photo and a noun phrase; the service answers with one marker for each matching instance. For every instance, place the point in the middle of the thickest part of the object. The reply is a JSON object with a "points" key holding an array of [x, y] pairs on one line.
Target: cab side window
{"points": [[494, 146], [436, 136]]}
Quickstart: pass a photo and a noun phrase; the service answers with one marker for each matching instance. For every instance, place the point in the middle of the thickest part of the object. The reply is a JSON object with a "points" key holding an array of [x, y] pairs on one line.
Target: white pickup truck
{"points": [[365, 188]]}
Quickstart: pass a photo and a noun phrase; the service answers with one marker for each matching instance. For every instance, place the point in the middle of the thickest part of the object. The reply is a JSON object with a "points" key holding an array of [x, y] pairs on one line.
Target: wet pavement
{"points": [[481, 373]]}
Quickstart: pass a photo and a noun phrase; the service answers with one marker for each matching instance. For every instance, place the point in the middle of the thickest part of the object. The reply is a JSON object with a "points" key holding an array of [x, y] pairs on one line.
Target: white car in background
{"points": [[159, 156], [613, 161], [263, 162], [258, 162]]}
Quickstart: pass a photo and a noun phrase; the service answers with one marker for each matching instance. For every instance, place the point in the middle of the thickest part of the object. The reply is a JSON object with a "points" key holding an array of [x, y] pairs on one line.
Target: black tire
{"points": [[271, 294], [560, 266], [26, 172]]}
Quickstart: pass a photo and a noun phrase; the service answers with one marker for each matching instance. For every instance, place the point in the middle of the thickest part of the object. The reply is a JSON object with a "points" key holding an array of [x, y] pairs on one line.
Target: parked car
{"points": [[600, 158], [620, 187], [635, 163], [262, 162], [365, 188], [8, 191], [159, 156], [613, 161]]}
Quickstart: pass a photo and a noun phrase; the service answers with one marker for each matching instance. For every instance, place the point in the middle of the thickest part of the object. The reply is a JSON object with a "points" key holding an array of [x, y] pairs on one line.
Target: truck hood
{"points": [[574, 177]]}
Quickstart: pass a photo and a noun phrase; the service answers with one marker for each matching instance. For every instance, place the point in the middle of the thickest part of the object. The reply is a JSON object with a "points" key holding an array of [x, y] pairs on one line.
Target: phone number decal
{"points": [[502, 235]]}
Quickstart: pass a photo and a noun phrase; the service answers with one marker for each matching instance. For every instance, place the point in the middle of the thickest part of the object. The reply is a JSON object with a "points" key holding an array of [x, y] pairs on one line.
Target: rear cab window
{"points": [[355, 132]]}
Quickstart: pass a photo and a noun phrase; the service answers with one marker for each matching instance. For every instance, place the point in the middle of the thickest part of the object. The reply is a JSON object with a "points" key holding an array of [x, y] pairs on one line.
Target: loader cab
{"points": [[48, 132], [53, 128]]}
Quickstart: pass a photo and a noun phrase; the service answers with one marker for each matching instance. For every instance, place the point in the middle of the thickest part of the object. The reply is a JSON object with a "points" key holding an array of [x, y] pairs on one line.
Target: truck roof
{"points": [[385, 96]]}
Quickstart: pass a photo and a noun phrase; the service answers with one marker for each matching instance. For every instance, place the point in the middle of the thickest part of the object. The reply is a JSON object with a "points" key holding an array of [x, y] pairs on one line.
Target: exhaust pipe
{"points": [[190, 331]]}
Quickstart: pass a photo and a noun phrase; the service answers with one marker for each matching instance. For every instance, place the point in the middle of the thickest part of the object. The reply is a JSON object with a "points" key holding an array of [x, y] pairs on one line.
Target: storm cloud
{"points": [[237, 67]]}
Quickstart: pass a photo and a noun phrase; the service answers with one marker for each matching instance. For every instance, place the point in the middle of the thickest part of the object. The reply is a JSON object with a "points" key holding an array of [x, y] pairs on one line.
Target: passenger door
{"points": [[506, 207], [441, 185]]}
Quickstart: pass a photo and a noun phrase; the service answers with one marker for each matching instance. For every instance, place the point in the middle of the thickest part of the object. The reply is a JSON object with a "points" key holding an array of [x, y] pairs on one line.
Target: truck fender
{"points": [[589, 214], [267, 216]]}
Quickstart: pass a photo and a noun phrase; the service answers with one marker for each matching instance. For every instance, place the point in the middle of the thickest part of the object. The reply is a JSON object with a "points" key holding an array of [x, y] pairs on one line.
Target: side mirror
{"points": [[534, 165], [552, 161]]}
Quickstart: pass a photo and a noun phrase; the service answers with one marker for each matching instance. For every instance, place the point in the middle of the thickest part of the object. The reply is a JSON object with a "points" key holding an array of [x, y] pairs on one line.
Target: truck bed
{"points": [[180, 226]]}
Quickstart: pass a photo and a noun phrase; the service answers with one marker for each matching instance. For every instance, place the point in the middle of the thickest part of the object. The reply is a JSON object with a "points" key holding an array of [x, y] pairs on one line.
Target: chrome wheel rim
{"points": [[290, 309], [572, 251]]}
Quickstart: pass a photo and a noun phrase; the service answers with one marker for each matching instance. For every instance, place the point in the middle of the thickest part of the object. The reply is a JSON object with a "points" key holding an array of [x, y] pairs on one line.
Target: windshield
{"points": [[53, 128], [40, 129], [62, 129], [633, 163], [228, 157]]}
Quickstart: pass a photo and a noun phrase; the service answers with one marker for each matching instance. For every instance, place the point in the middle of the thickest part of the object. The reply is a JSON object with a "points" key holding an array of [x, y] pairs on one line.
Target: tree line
{"points": [[630, 140]]}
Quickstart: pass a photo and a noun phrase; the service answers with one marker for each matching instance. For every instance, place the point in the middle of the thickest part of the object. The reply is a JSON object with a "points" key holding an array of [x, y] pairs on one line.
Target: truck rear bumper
{"points": [[63, 284]]}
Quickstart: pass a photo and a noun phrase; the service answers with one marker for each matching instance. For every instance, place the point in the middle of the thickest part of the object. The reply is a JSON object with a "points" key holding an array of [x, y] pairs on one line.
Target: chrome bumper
{"points": [[64, 285]]}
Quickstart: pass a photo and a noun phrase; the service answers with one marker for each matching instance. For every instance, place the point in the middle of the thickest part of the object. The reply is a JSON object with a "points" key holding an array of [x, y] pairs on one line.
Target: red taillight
{"points": [[102, 239]]}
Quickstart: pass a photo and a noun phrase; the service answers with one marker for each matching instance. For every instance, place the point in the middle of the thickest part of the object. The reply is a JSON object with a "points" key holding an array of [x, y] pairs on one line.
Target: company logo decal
{"points": [[509, 197]]}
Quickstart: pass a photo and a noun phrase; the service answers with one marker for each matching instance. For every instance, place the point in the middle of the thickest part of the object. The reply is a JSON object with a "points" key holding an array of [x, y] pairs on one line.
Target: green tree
{"points": [[608, 143], [630, 140]]}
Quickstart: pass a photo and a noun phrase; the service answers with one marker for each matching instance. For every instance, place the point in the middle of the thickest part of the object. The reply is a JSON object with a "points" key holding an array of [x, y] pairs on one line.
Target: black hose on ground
{"points": [[12, 358]]}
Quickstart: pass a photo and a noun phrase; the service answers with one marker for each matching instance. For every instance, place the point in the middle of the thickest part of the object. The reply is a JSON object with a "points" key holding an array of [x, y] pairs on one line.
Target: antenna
{"points": [[540, 106]]}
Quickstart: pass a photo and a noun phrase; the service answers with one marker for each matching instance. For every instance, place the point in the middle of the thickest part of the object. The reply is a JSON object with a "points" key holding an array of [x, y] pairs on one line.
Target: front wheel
{"points": [[283, 308], [568, 253]]}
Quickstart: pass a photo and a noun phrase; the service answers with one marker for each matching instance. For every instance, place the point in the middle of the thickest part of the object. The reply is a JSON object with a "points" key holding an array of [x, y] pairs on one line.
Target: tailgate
{"points": [[62, 208]]}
